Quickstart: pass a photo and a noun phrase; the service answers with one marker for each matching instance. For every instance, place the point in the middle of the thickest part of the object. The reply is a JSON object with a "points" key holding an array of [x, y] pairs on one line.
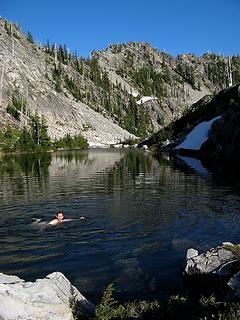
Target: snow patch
{"points": [[197, 136], [93, 145], [134, 94], [145, 99]]}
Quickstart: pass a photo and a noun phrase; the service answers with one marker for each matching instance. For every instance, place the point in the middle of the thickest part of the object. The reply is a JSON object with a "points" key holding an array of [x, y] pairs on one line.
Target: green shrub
{"points": [[69, 142], [8, 139], [17, 104], [109, 308], [177, 308], [207, 301], [25, 141], [13, 112]]}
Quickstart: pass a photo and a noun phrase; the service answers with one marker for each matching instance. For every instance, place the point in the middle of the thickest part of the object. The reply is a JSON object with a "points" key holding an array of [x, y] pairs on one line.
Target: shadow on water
{"points": [[145, 212]]}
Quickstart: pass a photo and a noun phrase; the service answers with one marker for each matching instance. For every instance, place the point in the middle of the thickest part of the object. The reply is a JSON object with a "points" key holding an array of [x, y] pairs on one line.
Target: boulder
{"points": [[145, 147], [49, 298], [208, 261], [214, 271], [191, 253]]}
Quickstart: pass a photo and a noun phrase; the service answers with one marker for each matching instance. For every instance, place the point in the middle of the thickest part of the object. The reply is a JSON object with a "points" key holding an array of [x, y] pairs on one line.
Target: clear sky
{"points": [[174, 26]]}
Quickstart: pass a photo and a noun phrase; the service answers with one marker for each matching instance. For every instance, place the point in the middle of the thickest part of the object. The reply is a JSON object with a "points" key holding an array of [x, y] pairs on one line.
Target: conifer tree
{"points": [[30, 37]]}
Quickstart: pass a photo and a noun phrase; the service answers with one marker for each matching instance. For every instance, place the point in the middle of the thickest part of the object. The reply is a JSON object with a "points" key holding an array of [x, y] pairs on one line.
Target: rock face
{"points": [[124, 61], [43, 299], [101, 97], [26, 71]]}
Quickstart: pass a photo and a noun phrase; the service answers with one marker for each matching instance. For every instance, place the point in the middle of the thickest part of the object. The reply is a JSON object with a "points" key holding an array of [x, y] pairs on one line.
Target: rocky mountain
{"points": [[219, 117], [125, 91]]}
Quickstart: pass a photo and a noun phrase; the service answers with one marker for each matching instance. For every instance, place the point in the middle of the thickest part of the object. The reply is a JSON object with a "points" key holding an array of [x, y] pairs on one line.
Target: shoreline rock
{"points": [[207, 262], [215, 271], [47, 298]]}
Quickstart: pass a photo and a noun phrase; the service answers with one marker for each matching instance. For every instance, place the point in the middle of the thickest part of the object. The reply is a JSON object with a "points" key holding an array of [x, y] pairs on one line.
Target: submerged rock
{"points": [[48, 298]]}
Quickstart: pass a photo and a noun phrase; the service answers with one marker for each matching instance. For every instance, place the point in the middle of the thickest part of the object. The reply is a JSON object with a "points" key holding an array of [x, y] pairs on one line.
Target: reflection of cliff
{"points": [[79, 172], [31, 174], [84, 164], [92, 171], [138, 170]]}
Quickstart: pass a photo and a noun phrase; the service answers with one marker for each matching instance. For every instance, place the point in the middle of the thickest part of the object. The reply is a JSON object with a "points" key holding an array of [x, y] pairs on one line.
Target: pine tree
{"points": [[60, 54], [25, 142], [44, 139], [30, 37], [48, 48], [65, 54], [39, 132]]}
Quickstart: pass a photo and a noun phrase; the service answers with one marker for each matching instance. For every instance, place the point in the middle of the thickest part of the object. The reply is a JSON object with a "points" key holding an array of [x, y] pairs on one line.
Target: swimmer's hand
{"points": [[36, 220]]}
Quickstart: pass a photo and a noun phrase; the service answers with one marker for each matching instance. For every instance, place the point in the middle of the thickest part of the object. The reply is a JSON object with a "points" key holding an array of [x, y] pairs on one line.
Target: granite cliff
{"points": [[124, 91]]}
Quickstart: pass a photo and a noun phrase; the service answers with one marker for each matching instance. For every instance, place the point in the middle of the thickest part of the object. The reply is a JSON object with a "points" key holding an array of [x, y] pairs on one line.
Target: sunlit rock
{"points": [[191, 253], [47, 298], [208, 261]]}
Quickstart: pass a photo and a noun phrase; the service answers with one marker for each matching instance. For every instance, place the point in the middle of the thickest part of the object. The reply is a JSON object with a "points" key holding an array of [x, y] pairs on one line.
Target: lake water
{"points": [[143, 213]]}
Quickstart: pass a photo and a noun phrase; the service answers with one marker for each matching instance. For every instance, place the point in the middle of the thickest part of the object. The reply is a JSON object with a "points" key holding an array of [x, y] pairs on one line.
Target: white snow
{"points": [[94, 145], [145, 99], [134, 94], [197, 136]]}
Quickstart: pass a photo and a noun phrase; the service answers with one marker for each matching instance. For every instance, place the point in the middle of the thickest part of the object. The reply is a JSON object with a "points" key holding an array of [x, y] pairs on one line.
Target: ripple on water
{"points": [[143, 214]]}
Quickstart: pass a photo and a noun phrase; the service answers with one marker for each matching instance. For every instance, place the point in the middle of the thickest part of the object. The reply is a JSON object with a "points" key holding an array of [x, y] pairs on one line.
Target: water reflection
{"points": [[25, 164], [145, 213]]}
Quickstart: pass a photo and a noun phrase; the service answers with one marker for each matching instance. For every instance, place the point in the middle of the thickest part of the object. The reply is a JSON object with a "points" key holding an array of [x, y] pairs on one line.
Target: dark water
{"points": [[143, 215]]}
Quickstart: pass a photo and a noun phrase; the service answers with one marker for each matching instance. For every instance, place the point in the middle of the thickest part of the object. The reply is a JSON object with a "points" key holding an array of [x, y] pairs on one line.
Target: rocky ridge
{"points": [[24, 70], [124, 91], [221, 147], [185, 79]]}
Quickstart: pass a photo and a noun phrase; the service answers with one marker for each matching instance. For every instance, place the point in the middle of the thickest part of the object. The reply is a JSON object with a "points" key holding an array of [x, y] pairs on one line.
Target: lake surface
{"points": [[143, 214]]}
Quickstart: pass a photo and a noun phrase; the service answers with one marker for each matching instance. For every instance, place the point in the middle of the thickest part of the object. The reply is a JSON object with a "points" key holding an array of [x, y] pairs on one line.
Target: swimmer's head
{"points": [[59, 216]]}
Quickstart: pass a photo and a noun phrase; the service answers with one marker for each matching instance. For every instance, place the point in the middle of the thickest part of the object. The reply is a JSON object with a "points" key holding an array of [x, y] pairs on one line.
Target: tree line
{"points": [[35, 138]]}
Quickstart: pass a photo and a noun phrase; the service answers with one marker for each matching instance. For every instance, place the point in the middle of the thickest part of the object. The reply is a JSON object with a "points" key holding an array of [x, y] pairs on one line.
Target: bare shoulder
{"points": [[53, 222]]}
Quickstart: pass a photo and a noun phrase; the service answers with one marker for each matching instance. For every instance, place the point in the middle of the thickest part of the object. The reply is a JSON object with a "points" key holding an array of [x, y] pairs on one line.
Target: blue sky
{"points": [[173, 26]]}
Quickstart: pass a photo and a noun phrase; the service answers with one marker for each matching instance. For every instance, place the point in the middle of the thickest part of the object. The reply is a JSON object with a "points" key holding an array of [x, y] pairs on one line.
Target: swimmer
{"points": [[60, 218]]}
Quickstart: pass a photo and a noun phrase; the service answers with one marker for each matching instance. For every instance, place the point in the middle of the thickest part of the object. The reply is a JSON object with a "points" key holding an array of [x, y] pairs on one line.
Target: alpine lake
{"points": [[142, 213]]}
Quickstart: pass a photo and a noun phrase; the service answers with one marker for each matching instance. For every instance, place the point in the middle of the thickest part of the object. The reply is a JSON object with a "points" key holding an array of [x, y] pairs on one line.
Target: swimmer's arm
{"points": [[55, 221], [81, 218]]}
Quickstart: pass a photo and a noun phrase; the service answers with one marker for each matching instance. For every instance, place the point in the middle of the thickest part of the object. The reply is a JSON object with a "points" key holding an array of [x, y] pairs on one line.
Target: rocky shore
{"points": [[216, 271], [50, 298]]}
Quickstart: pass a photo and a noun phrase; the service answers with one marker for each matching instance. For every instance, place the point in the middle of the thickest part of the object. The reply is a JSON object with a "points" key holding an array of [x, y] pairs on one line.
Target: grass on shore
{"points": [[177, 308]]}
